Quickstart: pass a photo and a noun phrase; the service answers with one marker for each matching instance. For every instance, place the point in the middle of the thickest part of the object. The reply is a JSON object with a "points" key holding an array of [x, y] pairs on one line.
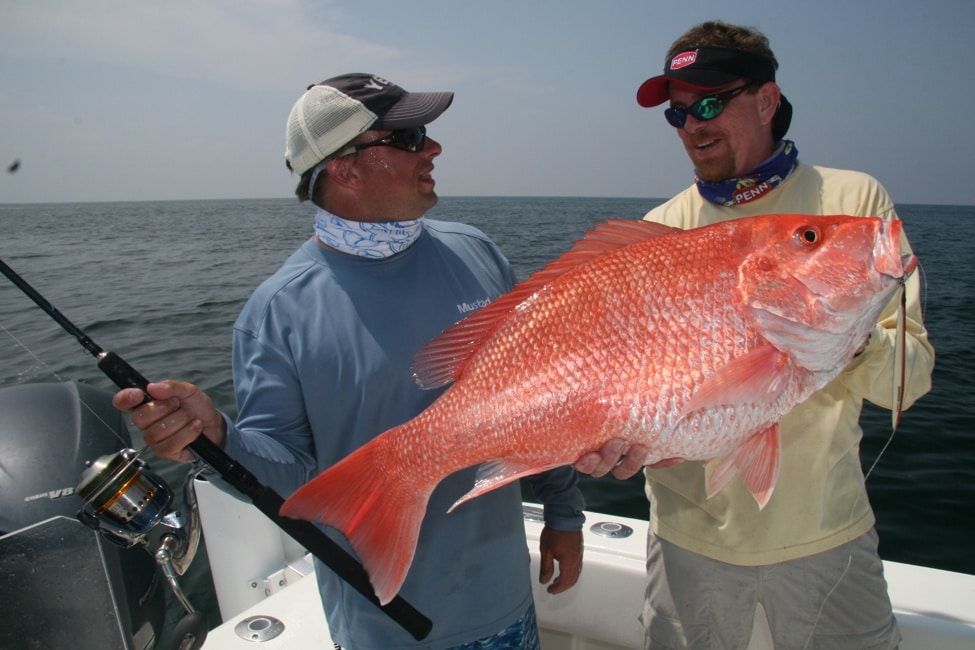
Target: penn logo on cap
{"points": [[683, 60]]}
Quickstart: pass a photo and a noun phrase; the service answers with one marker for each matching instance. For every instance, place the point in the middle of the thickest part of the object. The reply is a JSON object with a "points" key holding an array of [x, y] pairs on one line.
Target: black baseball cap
{"points": [[712, 67]]}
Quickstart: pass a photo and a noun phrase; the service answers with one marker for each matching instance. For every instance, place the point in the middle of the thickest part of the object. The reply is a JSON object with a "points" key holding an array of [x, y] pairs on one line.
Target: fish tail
{"points": [[378, 514]]}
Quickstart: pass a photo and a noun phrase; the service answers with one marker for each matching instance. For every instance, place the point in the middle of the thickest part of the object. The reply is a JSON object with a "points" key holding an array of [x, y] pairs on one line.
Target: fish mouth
{"points": [[909, 262], [887, 257]]}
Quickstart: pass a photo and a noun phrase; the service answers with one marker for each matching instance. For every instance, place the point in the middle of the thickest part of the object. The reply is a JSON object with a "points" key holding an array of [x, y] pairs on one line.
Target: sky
{"points": [[132, 100]]}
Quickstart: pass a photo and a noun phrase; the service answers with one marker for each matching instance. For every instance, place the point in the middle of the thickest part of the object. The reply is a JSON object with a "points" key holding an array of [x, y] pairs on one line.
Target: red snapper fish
{"points": [[692, 342]]}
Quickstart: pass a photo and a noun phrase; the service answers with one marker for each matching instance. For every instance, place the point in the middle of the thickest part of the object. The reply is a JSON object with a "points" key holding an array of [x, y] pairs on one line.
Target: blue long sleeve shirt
{"points": [[322, 364]]}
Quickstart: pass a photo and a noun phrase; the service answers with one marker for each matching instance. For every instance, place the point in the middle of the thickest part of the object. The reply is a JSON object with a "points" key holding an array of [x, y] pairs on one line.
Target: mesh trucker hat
{"points": [[712, 67], [332, 113]]}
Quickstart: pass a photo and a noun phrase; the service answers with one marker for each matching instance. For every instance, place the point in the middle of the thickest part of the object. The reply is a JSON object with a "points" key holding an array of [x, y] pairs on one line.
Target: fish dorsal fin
{"points": [[442, 360], [617, 233]]}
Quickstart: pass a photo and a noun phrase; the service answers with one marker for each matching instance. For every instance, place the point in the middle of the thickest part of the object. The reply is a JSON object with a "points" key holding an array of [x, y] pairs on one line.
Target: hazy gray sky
{"points": [[107, 100]]}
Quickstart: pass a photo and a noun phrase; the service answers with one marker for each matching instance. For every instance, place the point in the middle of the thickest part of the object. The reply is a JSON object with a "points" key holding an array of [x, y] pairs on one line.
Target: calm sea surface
{"points": [[161, 283]]}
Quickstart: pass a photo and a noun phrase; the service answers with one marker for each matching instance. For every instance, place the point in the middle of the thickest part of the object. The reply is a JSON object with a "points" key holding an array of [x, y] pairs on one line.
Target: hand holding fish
{"points": [[617, 457], [178, 413]]}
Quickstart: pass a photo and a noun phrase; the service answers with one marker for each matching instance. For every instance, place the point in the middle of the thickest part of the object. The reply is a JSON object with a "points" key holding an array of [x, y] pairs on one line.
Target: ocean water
{"points": [[160, 283]]}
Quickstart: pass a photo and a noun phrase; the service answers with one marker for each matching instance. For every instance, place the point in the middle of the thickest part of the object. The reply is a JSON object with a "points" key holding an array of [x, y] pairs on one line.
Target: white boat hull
{"points": [[264, 581]]}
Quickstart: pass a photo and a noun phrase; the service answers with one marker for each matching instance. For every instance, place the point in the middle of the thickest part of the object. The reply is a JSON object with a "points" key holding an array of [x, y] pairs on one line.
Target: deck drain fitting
{"points": [[611, 529], [259, 628]]}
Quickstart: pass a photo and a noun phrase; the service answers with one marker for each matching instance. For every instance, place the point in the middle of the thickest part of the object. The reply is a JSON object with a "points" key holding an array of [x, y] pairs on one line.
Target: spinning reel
{"points": [[129, 505]]}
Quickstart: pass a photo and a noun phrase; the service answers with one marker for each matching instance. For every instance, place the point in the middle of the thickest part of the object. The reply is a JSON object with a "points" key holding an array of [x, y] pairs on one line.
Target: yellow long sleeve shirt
{"points": [[820, 500]]}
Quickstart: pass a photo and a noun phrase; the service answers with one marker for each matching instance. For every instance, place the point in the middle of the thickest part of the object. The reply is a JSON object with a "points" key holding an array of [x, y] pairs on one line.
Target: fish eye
{"points": [[808, 235]]}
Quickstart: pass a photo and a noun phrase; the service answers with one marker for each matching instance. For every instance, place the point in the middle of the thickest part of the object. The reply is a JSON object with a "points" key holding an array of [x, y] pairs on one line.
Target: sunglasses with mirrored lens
{"points": [[412, 140], [706, 108]]}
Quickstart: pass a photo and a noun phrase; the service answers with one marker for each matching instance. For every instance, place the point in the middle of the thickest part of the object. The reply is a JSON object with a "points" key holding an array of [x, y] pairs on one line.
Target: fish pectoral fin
{"points": [[495, 473], [757, 461], [750, 378]]}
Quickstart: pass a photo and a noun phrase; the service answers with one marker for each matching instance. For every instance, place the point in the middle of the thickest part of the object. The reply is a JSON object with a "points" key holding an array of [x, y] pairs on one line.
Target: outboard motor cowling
{"points": [[48, 434]]}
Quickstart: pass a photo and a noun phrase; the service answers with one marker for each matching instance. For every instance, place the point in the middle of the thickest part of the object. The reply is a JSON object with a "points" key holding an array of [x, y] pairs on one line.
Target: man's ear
{"points": [[768, 101], [342, 171]]}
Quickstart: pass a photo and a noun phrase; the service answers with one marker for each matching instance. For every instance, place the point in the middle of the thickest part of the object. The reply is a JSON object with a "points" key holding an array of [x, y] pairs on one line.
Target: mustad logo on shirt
{"points": [[468, 307]]}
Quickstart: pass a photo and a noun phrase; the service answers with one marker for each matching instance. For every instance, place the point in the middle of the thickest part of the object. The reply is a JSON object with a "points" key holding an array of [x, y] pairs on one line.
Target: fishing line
{"points": [[898, 381], [876, 460], [900, 352], [36, 358], [846, 569], [62, 380]]}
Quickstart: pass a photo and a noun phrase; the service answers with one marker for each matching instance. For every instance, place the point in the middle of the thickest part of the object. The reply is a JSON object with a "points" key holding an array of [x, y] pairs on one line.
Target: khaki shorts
{"points": [[836, 599]]}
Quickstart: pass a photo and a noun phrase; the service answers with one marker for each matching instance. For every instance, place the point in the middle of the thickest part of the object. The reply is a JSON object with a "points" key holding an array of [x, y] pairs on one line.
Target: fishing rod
{"points": [[265, 498]]}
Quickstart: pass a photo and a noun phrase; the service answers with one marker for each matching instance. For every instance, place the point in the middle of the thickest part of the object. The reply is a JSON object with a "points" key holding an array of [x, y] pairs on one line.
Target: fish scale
{"points": [[691, 342]]}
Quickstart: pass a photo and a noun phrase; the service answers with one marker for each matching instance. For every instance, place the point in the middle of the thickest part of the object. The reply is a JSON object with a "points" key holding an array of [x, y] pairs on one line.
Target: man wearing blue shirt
{"points": [[322, 364]]}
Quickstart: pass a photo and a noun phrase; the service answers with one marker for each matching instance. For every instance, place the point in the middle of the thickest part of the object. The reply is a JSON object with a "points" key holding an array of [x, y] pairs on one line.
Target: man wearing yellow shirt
{"points": [[810, 556]]}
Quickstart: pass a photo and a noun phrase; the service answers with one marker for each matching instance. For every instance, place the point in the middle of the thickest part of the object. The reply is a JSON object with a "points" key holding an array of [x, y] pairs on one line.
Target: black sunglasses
{"points": [[412, 140], [706, 108]]}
